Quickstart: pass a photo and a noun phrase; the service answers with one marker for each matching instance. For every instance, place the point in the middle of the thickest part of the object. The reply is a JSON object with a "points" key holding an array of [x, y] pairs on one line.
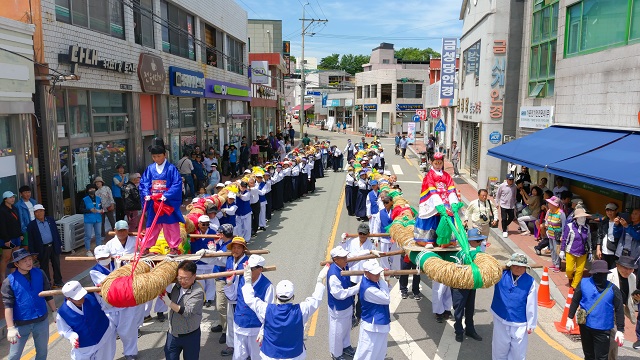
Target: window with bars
{"points": [[177, 31], [235, 56], [544, 43], [103, 16]]}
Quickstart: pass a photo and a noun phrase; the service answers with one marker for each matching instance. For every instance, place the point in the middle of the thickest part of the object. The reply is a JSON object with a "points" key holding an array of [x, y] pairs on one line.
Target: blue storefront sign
{"points": [[370, 107], [334, 103], [314, 93], [409, 107], [495, 137], [183, 82]]}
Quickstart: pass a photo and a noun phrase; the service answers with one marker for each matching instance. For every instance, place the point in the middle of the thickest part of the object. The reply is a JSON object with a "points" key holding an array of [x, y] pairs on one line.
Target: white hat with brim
{"points": [[37, 207], [73, 290], [231, 195], [256, 260], [101, 252], [518, 259], [122, 225], [339, 251], [372, 266], [204, 219], [220, 185], [580, 213], [284, 290]]}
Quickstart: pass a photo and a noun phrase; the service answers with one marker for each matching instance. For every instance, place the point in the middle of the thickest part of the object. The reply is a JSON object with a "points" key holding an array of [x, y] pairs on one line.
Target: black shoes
{"points": [[227, 352], [440, 320], [161, 317], [473, 335], [222, 340], [417, 297], [217, 329], [349, 351], [404, 294], [262, 228], [459, 338]]}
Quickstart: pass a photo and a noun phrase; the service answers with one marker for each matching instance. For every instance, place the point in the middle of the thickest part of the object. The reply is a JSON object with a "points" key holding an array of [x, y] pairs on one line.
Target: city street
{"points": [[300, 236]]}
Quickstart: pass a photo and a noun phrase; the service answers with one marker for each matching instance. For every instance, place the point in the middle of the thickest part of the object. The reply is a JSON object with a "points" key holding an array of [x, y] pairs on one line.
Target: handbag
{"points": [[581, 314], [526, 211], [491, 224]]}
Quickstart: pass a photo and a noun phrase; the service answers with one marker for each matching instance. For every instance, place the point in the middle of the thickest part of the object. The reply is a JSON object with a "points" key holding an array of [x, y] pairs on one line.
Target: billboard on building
{"points": [[260, 72], [286, 55], [448, 68]]}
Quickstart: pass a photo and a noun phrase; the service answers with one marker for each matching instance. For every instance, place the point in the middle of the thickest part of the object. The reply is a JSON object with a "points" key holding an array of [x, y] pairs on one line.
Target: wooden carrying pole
{"points": [[369, 235], [386, 272], [162, 257], [223, 274], [367, 257], [193, 236]]}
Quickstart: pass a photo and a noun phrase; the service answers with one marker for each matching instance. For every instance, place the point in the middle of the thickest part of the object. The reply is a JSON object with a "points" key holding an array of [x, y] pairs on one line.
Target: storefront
{"points": [[16, 107], [186, 87], [227, 114]]}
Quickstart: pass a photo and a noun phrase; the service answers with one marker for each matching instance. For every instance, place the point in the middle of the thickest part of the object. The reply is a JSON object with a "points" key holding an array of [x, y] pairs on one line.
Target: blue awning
{"points": [[615, 166], [553, 144]]}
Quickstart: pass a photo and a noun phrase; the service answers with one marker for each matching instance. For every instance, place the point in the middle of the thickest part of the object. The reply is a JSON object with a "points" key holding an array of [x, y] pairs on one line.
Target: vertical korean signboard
{"points": [[497, 79], [286, 55], [448, 69]]}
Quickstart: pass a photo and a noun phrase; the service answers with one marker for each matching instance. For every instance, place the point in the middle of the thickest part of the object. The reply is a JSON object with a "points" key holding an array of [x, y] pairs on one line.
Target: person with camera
{"points": [[606, 243], [622, 276], [628, 234], [601, 309], [481, 213]]}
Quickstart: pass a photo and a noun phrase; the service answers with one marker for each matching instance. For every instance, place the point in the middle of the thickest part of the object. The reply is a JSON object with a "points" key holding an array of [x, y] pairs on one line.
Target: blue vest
{"points": [[385, 220], [228, 219], [283, 331], [219, 268], [601, 317], [28, 305], [510, 302], [101, 269], [229, 266], [334, 303], [373, 313], [244, 207], [91, 326], [373, 199], [262, 198], [116, 191], [243, 315], [198, 244], [92, 218]]}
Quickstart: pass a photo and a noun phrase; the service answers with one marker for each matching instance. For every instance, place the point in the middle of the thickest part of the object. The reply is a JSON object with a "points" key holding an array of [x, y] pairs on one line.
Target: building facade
{"points": [[389, 91]]}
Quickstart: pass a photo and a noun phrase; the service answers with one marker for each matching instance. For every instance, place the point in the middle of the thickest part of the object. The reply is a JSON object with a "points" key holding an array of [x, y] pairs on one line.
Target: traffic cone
{"points": [[544, 297], [561, 325]]}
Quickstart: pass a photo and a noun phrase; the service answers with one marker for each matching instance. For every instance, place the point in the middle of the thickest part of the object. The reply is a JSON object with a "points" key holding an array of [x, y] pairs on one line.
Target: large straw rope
{"points": [[147, 283]]}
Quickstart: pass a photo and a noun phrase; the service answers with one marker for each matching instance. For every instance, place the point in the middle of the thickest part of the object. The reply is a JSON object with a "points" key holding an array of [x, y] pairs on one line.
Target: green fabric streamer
{"points": [[420, 257], [404, 221], [443, 231]]}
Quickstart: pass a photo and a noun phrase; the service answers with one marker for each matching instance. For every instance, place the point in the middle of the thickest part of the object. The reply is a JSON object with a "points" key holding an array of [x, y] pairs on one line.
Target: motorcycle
{"points": [[424, 162]]}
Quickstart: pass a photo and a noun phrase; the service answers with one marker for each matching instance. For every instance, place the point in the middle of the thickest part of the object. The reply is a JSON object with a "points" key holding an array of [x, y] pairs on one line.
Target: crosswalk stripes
{"points": [[397, 170]]}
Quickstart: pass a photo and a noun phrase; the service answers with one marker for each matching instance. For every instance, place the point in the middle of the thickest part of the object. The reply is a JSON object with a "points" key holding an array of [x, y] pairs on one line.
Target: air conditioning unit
{"points": [[71, 230]]}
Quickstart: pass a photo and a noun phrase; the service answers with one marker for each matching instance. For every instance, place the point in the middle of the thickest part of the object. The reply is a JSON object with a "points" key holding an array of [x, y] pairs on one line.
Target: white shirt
{"points": [[116, 249], [185, 166], [609, 237], [532, 309], [352, 245], [254, 194], [160, 168], [340, 293], [268, 298], [381, 297], [29, 205]]}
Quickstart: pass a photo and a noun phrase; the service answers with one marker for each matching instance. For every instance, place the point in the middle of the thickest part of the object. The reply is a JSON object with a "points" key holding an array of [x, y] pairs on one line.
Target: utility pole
{"points": [[302, 114]]}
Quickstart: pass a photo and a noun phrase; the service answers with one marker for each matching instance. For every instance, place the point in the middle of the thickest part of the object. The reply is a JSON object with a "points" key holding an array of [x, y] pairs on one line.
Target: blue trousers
{"points": [[96, 229], [188, 345], [464, 305], [40, 332], [190, 184]]}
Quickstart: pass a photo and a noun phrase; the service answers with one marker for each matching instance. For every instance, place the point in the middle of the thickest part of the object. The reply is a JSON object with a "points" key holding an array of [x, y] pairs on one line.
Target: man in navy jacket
{"points": [[44, 240]]}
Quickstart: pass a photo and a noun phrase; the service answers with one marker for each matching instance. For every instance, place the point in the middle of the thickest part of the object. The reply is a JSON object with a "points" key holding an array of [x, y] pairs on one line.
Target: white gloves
{"points": [[323, 274], [375, 252], [562, 255], [201, 252], [569, 326], [375, 241], [163, 198], [211, 245], [344, 237], [74, 340], [619, 338], [12, 334], [147, 198], [247, 275], [165, 298]]}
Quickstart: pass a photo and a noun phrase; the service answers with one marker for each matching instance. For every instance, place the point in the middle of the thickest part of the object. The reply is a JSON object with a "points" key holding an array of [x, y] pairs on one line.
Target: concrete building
{"points": [[488, 83], [580, 85], [173, 69], [389, 91]]}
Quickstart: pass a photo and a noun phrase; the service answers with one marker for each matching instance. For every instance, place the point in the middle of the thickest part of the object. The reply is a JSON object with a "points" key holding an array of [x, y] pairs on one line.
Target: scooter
{"points": [[424, 163]]}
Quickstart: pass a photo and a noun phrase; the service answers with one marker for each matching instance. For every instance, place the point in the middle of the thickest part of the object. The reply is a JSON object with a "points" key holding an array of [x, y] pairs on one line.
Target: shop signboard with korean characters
{"points": [[536, 117], [151, 74], [183, 82]]}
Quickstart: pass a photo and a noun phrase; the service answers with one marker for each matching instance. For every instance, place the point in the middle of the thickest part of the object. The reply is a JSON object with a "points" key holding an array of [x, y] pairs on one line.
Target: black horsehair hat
{"points": [[157, 146]]}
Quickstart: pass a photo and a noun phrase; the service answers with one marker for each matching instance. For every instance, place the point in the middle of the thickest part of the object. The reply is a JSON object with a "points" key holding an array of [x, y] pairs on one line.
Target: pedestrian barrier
{"points": [[561, 325], [544, 297]]}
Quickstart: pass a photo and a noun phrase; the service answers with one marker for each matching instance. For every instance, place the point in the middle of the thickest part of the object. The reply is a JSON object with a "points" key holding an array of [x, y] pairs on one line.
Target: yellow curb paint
{"points": [[554, 344], [332, 239], [31, 354]]}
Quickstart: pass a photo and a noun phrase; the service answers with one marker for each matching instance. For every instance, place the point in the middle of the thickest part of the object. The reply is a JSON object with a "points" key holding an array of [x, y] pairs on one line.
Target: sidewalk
{"points": [[558, 282]]}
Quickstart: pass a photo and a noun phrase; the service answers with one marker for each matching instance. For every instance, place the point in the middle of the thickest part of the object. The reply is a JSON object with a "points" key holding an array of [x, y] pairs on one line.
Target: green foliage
{"points": [[415, 54], [350, 63], [331, 62]]}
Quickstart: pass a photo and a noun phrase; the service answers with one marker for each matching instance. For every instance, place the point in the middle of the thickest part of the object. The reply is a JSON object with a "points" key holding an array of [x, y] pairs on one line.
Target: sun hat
{"points": [[599, 267], [20, 254], [238, 240], [627, 261], [73, 290], [256, 260], [219, 185], [339, 251], [518, 259], [101, 252], [554, 201], [37, 207], [580, 212], [475, 235], [204, 219], [611, 206], [284, 290], [98, 178], [364, 228], [121, 225], [372, 266]]}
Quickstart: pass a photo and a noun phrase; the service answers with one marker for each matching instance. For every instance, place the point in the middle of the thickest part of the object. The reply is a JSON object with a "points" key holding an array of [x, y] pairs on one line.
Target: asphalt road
{"points": [[300, 236]]}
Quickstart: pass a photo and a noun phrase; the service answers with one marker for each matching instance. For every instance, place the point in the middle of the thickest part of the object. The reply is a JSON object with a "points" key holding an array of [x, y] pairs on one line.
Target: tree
{"points": [[352, 64], [293, 59], [415, 54], [330, 62]]}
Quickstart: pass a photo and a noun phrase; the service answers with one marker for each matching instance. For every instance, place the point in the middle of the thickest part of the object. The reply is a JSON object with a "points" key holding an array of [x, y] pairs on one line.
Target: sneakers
{"points": [[525, 233], [161, 317], [349, 351], [89, 253], [217, 329], [227, 352], [538, 252], [555, 269], [417, 297], [636, 345], [505, 234], [262, 228], [404, 294]]}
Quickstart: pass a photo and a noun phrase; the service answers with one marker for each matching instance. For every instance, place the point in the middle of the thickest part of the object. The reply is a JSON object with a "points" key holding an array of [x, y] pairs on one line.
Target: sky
{"points": [[358, 26]]}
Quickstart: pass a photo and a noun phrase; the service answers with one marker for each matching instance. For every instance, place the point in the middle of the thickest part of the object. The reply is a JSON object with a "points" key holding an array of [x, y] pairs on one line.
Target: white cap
{"points": [[203, 219], [372, 266], [284, 290], [122, 225], [231, 195], [256, 260], [227, 183], [247, 171], [220, 185], [73, 290], [339, 251], [101, 252], [38, 207], [195, 200]]}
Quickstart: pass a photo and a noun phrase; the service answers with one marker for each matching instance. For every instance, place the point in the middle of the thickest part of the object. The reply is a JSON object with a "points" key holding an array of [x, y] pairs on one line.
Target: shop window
{"points": [[410, 91], [542, 67], [471, 62], [108, 155], [177, 31], [78, 113], [143, 22], [102, 16], [359, 92], [5, 135], [595, 25], [385, 93], [109, 111], [211, 45], [374, 91], [235, 56], [187, 112]]}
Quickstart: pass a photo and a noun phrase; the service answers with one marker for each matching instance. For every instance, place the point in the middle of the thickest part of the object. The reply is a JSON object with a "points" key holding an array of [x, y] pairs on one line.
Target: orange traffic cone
{"points": [[544, 297], [561, 325]]}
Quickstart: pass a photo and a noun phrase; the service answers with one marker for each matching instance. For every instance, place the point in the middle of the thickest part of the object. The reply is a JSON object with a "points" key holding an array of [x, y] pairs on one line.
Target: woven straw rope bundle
{"points": [[147, 283]]}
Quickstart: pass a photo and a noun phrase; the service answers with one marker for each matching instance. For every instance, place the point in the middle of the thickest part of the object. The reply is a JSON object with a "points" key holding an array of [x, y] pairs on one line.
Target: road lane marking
{"points": [[554, 344], [405, 342], [408, 182], [336, 221], [397, 170]]}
